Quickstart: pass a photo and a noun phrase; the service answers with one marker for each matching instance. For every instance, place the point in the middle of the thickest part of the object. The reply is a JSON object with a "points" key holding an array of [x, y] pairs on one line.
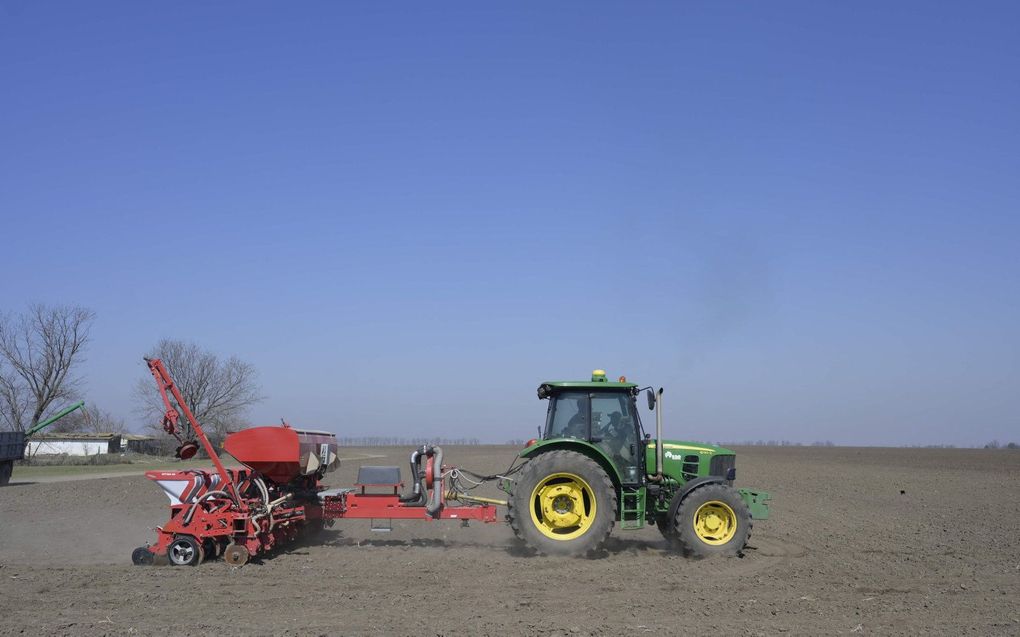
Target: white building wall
{"points": [[70, 447]]}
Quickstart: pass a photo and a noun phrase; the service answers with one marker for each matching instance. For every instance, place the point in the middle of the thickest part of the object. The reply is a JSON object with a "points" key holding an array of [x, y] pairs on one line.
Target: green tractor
{"points": [[594, 467]]}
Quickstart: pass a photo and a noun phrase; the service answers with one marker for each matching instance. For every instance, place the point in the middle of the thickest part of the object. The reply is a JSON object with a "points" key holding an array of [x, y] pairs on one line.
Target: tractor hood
{"points": [[684, 447], [684, 461]]}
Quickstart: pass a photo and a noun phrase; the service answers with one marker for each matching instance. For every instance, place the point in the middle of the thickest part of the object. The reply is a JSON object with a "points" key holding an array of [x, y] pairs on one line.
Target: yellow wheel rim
{"points": [[715, 523], [563, 506]]}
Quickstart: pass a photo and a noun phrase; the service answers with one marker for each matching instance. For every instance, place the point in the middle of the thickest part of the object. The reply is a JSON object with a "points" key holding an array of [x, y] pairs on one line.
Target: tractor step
{"points": [[632, 509]]}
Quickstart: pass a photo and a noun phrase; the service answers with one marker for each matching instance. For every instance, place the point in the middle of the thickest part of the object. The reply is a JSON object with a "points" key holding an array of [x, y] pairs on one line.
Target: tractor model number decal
{"points": [[680, 456]]}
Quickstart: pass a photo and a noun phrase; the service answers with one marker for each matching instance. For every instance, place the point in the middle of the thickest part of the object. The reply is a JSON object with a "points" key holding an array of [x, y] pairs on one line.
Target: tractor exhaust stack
{"points": [[658, 435]]}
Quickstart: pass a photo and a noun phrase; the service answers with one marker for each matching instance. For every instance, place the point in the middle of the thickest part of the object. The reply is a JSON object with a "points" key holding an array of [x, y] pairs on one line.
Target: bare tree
{"points": [[90, 419], [217, 392], [38, 352]]}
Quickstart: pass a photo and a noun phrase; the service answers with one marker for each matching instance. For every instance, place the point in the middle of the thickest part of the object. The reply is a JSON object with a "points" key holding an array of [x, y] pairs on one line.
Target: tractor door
{"points": [[614, 428]]}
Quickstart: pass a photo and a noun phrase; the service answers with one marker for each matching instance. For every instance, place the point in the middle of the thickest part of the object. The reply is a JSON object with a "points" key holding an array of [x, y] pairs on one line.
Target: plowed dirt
{"points": [[862, 541]]}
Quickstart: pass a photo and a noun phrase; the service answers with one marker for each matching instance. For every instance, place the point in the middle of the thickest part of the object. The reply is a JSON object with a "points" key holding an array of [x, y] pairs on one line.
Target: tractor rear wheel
{"points": [[562, 504], [712, 520]]}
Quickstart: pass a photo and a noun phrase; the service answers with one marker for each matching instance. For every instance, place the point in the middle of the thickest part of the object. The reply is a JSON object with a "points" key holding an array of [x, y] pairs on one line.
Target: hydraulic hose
{"points": [[414, 498], [263, 490], [436, 501], [191, 510], [464, 497], [269, 509]]}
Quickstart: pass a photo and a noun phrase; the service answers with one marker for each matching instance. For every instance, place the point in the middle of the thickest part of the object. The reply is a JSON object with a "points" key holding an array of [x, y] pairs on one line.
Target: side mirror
{"points": [[651, 400]]}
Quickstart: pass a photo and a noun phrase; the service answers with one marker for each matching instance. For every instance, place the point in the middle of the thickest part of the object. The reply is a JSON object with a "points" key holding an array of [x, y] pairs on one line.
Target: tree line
{"points": [[828, 443], [42, 348]]}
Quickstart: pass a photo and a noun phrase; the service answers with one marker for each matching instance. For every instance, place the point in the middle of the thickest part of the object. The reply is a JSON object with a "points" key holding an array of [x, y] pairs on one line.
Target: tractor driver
{"points": [[615, 439]]}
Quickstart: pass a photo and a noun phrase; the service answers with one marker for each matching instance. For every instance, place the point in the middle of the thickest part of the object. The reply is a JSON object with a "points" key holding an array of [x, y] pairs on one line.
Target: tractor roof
{"points": [[586, 384], [598, 382]]}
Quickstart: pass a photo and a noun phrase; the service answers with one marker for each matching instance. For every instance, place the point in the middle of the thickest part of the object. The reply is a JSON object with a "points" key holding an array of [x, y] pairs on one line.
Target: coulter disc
{"points": [[236, 555]]}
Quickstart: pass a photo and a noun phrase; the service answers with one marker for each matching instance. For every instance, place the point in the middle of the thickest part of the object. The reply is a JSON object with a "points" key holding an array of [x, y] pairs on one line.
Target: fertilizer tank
{"points": [[282, 454]]}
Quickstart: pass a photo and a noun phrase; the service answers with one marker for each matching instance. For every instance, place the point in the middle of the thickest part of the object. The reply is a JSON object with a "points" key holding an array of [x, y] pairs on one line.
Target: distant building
{"points": [[136, 443], [89, 444], [73, 444]]}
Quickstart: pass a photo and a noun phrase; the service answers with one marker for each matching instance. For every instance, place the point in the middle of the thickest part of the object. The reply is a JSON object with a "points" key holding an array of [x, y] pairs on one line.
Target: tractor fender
{"points": [[678, 497], [579, 446]]}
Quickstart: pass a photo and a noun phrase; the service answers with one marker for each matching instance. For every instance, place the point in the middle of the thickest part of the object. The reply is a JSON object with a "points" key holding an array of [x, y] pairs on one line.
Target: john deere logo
{"points": [[674, 456]]}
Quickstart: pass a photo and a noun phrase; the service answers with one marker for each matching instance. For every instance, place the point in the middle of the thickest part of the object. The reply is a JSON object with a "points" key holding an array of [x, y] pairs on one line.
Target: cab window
{"points": [[568, 416]]}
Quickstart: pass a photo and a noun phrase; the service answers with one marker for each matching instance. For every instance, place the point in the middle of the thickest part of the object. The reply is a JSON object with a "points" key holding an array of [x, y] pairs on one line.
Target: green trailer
{"points": [[12, 443]]}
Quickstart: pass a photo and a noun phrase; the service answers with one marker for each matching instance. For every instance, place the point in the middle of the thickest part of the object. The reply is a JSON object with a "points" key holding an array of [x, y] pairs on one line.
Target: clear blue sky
{"points": [[801, 218]]}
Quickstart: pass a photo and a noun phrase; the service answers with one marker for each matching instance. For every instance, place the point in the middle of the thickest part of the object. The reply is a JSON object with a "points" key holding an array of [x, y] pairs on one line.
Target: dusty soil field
{"points": [[864, 541]]}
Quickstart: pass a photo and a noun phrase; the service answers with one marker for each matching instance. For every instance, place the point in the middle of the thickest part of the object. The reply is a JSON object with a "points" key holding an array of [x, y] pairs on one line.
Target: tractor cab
{"points": [[602, 413]]}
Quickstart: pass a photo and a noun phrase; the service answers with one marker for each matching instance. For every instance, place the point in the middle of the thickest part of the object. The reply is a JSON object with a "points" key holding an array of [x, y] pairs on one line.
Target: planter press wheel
{"points": [[185, 551], [142, 556]]}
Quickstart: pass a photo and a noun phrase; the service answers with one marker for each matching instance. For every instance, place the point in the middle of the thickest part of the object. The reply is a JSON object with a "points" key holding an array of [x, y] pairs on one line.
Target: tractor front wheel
{"points": [[712, 520], [563, 503], [666, 529]]}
